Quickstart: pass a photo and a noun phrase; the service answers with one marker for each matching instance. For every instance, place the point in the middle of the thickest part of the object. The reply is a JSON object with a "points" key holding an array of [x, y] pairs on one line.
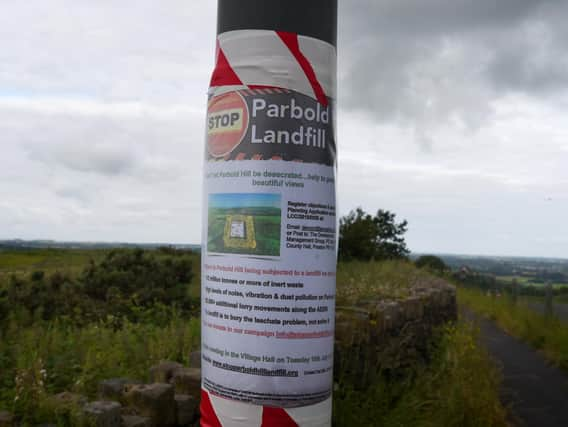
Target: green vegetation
{"points": [[45, 358], [266, 230], [542, 332], [490, 282], [531, 273], [111, 315], [22, 261], [116, 313], [458, 388], [535, 284], [122, 284], [366, 237], [431, 262], [358, 280]]}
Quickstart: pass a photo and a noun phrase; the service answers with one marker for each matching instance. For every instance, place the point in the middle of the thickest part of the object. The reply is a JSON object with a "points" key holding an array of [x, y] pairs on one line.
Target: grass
{"points": [[527, 281], [459, 388], [48, 358], [557, 299], [38, 358], [547, 334], [65, 260], [358, 280]]}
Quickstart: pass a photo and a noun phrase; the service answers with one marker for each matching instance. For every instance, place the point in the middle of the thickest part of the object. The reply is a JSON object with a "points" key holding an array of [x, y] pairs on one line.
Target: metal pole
{"points": [[269, 231], [313, 18]]}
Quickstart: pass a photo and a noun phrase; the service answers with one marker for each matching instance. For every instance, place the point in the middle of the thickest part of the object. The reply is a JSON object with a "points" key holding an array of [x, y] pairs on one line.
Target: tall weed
{"points": [[50, 357]]}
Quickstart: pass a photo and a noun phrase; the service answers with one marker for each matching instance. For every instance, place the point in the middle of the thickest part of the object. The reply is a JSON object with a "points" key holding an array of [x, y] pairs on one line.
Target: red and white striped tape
{"points": [[220, 412], [263, 58]]}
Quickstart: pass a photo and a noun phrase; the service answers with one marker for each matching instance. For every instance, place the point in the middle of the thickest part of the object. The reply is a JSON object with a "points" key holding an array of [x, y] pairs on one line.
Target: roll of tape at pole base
{"points": [[219, 412]]}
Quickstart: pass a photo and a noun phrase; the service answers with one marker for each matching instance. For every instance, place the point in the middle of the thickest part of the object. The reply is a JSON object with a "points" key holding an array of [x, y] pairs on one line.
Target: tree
{"points": [[365, 237], [432, 262]]}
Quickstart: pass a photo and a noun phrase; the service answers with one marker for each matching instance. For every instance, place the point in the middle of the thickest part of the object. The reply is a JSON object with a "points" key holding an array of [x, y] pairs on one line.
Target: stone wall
{"points": [[387, 337], [169, 399]]}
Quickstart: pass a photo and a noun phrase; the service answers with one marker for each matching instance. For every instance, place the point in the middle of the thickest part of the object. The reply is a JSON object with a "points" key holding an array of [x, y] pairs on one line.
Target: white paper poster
{"points": [[269, 246]]}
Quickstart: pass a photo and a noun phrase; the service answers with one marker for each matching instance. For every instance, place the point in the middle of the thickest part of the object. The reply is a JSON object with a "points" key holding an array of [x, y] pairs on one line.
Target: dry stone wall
{"points": [[387, 337]]}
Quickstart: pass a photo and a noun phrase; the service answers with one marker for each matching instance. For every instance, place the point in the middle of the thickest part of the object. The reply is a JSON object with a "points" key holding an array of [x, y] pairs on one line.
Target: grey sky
{"points": [[452, 113]]}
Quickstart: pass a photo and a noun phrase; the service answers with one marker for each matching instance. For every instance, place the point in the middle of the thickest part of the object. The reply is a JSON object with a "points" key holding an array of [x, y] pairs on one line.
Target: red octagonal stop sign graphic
{"points": [[227, 123]]}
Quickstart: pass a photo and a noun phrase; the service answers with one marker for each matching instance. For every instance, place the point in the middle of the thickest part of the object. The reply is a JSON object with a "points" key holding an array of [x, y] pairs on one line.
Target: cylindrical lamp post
{"points": [[269, 228]]}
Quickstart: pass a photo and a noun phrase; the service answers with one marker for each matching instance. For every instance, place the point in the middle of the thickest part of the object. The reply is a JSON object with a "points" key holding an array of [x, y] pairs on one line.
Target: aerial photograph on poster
{"points": [[244, 223]]}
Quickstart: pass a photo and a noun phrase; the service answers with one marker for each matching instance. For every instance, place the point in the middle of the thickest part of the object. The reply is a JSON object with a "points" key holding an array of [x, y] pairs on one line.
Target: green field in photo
{"points": [[266, 229]]}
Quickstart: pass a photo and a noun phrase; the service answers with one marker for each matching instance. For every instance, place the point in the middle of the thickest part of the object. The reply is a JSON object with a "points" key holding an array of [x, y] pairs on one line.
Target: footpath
{"points": [[536, 392]]}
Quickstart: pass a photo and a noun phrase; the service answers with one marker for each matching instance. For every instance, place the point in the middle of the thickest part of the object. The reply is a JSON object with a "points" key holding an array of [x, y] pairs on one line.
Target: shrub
{"points": [[116, 285], [431, 262]]}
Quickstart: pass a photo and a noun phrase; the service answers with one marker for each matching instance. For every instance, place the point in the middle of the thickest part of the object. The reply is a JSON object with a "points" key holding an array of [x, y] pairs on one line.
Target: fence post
{"points": [[548, 304], [515, 291]]}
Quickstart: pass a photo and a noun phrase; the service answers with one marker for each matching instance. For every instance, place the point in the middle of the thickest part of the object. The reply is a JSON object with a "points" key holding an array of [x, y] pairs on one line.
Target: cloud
{"points": [[104, 159], [76, 167], [104, 138], [430, 65], [415, 17], [534, 62], [451, 114], [131, 51], [84, 106]]}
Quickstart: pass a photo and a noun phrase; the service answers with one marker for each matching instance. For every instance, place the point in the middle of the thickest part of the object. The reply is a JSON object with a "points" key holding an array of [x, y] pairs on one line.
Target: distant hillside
{"points": [[16, 244], [526, 270]]}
